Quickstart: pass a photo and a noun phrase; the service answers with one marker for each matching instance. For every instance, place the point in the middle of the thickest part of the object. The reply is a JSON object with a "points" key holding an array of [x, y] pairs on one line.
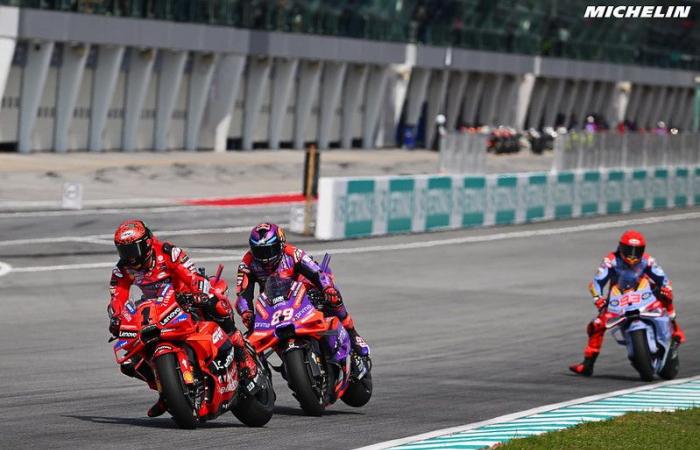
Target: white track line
{"points": [[5, 268], [413, 245], [517, 415], [107, 238], [152, 210]]}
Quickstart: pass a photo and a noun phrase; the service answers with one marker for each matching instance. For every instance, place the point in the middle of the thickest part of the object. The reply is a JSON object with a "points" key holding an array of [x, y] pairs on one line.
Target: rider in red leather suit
{"points": [[151, 264]]}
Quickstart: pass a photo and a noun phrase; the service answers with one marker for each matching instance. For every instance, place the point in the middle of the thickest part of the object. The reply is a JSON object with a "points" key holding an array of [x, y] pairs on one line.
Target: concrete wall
{"points": [[72, 82]]}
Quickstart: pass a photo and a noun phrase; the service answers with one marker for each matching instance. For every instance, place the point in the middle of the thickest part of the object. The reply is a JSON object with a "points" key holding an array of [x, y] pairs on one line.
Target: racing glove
{"points": [[248, 319], [599, 302], [332, 296], [114, 324], [667, 293]]}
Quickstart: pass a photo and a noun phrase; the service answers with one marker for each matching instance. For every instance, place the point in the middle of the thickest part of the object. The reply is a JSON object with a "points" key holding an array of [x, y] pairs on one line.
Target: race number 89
{"points": [[277, 317]]}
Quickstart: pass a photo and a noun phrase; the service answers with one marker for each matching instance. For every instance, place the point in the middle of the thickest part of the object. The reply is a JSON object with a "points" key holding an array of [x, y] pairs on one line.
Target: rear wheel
{"points": [[300, 380], [256, 410], [642, 358], [173, 391]]}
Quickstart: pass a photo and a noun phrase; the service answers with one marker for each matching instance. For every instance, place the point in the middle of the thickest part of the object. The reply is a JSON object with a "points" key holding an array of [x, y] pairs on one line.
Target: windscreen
{"points": [[277, 286], [629, 279]]}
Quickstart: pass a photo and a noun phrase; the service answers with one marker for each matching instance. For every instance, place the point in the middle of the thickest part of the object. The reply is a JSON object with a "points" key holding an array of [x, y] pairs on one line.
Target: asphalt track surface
{"points": [[460, 333]]}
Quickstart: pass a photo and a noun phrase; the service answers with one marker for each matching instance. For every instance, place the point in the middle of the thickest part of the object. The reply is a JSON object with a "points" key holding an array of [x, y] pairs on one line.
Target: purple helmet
{"points": [[266, 243]]}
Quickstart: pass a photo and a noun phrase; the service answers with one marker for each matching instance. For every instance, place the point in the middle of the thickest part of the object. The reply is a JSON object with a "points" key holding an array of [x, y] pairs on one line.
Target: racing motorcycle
{"points": [[317, 359], [191, 361], [638, 320]]}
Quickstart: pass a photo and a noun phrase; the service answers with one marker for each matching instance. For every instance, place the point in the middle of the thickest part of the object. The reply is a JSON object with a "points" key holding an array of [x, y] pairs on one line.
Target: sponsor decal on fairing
{"points": [[174, 313]]}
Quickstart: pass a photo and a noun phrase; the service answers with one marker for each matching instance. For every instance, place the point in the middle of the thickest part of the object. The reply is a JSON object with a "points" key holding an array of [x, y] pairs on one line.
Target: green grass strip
{"points": [[633, 431]]}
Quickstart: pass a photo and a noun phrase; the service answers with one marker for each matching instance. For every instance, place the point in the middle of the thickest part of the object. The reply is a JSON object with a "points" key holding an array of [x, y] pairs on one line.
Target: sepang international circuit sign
{"points": [[375, 206]]}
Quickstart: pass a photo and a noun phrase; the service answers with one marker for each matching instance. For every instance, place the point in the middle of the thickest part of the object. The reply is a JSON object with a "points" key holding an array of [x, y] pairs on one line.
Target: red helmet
{"points": [[631, 248], [134, 243]]}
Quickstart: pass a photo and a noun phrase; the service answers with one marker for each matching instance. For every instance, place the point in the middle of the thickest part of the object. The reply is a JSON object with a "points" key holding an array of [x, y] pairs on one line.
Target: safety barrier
{"points": [[463, 153], [356, 207], [578, 151]]}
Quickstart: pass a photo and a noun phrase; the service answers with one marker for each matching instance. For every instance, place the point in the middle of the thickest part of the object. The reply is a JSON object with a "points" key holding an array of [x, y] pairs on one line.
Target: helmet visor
{"points": [[134, 254], [632, 252], [266, 252]]}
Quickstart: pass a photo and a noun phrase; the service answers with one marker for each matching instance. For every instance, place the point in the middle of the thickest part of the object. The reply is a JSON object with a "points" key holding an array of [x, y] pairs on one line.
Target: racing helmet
{"points": [[631, 246], [266, 244], [134, 242]]}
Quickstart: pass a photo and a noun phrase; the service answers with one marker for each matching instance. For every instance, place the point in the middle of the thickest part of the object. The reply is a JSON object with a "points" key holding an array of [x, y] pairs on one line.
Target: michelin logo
{"points": [[637, 12]]}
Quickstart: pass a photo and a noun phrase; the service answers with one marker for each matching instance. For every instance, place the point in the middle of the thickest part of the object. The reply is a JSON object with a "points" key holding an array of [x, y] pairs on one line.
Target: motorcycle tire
{"points": [[358, 392], [670, 369], [642, 357], [173, 392], [299, 379], [256, 410]]}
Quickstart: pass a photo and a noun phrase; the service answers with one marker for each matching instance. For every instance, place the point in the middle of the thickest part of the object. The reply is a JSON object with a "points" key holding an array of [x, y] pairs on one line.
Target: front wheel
{"points": [[358, 392], [671, 367], [299, 378], [173, 391], [641, 360]]}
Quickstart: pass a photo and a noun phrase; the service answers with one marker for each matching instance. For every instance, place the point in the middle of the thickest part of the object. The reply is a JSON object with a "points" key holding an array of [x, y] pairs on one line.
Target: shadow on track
{"points": [[620, 378], [149, 423], [290, 411]]}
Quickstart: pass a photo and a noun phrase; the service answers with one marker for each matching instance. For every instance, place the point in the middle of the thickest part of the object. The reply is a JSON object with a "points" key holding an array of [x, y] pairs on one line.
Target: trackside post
{"points": [[311, 171]]}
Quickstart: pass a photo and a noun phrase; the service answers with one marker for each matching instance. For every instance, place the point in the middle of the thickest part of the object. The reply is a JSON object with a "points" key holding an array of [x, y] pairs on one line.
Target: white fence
{"points": [[463, 153], [576, 151]]}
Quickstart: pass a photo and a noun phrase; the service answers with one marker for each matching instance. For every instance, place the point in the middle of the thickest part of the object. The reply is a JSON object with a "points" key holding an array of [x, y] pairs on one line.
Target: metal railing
{"points": [[463, 153], [614, 150]]}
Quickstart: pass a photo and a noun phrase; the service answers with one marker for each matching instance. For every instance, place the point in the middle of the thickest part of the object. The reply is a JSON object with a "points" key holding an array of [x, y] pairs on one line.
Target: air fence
{"points": [[577, 151], [374, 206], [463, 153]]}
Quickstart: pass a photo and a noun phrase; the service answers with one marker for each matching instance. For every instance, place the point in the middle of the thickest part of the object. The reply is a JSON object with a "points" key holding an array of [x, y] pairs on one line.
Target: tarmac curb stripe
{"points": [[666, 396]]}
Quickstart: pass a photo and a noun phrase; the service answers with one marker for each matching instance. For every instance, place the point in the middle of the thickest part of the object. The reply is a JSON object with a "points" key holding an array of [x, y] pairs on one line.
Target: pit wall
{"points": [[376, 206]]}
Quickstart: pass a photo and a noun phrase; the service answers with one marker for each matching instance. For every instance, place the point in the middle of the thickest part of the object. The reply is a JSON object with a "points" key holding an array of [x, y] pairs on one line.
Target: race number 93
{"points": [[282, 315]]}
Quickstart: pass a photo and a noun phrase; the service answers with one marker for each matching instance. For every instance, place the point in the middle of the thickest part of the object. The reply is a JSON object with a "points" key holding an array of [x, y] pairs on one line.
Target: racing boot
{"points": [[245, 362], [586, 367], [158, 409], [359, 346], [678, 333]]}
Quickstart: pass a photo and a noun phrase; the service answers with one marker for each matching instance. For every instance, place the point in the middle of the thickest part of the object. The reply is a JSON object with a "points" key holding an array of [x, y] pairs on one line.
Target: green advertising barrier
{"points": [[438, 203], [505, 199], [614, 192], [681, 185], [401, 205], [473, 201], [638, 190], [536, 197], [589, 192], [359, 208], [564, 195], [659, 188], [356, 207]]}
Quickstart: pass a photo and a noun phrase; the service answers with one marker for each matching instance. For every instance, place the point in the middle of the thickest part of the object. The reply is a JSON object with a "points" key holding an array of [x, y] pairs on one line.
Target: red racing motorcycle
{"points": [[190, 360]]}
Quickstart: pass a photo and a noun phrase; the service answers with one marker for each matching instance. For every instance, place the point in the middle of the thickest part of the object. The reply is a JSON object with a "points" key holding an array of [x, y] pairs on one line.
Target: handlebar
{"points": [[219, 270]]}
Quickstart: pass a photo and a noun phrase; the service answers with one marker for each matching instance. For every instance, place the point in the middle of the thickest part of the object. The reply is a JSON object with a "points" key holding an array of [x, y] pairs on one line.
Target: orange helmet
{"points": [[134, 243], [631, 247]]}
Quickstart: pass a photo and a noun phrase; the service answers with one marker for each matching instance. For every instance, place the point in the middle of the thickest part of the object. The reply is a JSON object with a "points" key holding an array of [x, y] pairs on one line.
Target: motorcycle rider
{"points": [[271, 253], [629, 256], [152, 264]]}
